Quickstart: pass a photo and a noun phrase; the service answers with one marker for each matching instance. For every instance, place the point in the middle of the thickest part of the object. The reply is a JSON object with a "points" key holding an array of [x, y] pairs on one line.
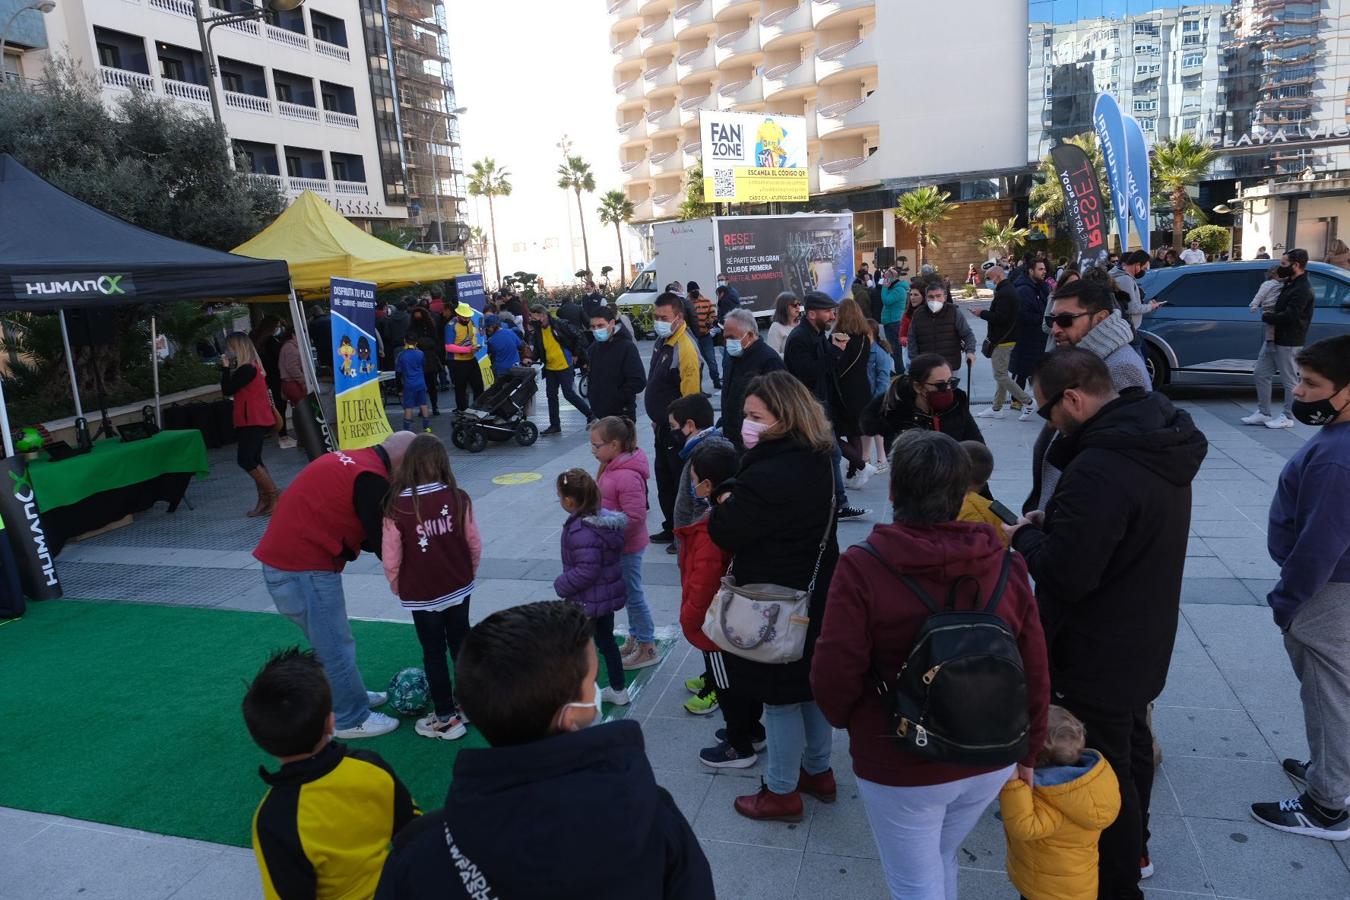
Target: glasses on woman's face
{"points": [[949, 384], [1064, 320]]}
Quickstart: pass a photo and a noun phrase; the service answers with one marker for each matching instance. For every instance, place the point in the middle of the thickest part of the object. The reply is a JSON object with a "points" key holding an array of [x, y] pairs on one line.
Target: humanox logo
{"points": [[72, 287], [27, 497]]}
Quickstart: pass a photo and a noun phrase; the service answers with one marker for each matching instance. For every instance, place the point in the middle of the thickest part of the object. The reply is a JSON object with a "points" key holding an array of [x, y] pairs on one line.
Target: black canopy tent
{"points": [[57, 252]]}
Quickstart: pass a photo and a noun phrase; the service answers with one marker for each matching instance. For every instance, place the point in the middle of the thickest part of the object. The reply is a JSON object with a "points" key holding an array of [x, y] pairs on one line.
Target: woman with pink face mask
{"points": [[776, 518]]}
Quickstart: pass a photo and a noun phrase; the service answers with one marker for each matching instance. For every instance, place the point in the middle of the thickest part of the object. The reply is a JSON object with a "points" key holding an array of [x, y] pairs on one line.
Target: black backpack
{"points": [[961, 696]]}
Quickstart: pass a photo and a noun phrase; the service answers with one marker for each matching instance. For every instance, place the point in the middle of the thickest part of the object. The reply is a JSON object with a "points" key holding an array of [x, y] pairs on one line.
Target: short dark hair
{"points": [[981, 462], [930, 477], [715, 462], [1298, 257], [671, 301], [1072, 367], [1088, 293], [539, 308], [921, 366], [695, 407], [603, 312], [286, 707], [1136, 257], [519, 666], [437, 293], [934, 285], [1329, 357]]}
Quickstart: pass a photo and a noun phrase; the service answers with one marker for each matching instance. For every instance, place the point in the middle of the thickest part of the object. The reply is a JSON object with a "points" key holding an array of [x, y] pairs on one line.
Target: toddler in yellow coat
{"points": [[1052, 830]]}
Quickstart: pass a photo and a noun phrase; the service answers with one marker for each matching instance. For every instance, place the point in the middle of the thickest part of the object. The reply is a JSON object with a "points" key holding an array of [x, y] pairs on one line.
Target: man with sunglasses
{"points": [[1107, 556]]}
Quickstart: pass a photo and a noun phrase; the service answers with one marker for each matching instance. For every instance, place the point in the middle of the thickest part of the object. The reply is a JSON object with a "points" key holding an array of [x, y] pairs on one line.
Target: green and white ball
{"points": [[408, 691]]}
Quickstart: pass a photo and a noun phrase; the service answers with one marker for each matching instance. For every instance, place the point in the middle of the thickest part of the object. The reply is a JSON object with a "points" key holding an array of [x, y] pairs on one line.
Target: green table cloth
{"points": [[113, 464]]}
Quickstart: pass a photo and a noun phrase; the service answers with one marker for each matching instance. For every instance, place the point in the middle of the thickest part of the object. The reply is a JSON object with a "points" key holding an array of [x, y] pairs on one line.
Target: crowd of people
{"points": [[1068, 612]]}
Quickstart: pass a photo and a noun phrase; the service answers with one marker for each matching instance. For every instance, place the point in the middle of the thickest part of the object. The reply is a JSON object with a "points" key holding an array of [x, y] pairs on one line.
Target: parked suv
{"points": [[1205, 333]]}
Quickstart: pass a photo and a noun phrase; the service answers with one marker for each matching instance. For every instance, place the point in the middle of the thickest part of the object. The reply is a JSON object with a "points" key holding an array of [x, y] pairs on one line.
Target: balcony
{"points": [[248, 102], [692, 149], [671, 162], [248, 26], [786, 26], [333, 51], [126, 79], [667, 205], [659, 78], [351, 188], [849, 173], [689, 109], [656, 36], [177, 7], [632, 91], [695, 63], [186, 90], [642, 210], [634, 131], [789, 78], [849, 58], [623, 10], [628, 50], [746, 93], [664, 121], [636, 170], [341, 119], [737, 48], [317, 185], [288, 37], [847, 117], [691, 15], [832, 13], [263, 178], [725, 9], [297, 111]]}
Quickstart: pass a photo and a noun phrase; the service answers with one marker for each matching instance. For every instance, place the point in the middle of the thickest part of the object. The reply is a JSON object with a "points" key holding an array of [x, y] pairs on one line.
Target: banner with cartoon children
{"points": [[361, 419], [470, 289]]}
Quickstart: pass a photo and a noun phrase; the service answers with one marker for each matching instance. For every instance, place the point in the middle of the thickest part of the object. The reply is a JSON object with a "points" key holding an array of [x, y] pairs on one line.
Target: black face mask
{"points": [[1316, 412], [678, 438], [1284, 271]]}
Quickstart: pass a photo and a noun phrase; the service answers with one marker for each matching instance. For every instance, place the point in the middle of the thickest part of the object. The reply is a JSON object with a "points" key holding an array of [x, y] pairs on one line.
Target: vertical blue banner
{"points": [[1110, 125], [1137, 177], [469, 289], [361, 419]]}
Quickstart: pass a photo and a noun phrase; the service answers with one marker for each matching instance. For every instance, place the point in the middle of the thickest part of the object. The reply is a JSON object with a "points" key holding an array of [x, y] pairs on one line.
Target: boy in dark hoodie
{"points": [[525, 817]]}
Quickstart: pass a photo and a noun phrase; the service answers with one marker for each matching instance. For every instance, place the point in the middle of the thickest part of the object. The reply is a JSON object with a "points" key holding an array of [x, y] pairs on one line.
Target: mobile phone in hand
{"points": [[1007, 515]]}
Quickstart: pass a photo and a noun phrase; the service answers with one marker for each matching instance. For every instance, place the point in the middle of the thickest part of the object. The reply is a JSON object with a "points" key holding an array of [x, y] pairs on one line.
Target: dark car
{"points": [[1206, 334]]}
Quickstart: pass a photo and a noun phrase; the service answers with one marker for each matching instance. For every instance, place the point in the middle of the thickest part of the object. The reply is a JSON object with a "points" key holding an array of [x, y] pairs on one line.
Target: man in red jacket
{"points": [[332, 511]]}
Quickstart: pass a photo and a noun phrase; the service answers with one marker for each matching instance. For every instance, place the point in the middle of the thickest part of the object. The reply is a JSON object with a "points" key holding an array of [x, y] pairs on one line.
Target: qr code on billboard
{"points": [[724, 184]]}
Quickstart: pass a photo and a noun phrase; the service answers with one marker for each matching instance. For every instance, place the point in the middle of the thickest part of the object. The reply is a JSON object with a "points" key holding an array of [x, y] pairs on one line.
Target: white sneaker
{"points": [[883, 467], [1027, 412], [376, 698], [432, 726], [1281, 421], [618, 698], [1256, 418], [375, 725], [989, 413], [864, 475], [286, 443]]}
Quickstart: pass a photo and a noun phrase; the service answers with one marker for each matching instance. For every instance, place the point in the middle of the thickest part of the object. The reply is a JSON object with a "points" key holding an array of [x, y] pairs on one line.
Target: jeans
{"points": [[919, 829], [708, 350], [1004, 384], [640, 624], [1124, 739], [1275, 356], [840, 496], [799, 738], [608, 648], [562, 378], [440, 632], [314, 601], [897, 352]]}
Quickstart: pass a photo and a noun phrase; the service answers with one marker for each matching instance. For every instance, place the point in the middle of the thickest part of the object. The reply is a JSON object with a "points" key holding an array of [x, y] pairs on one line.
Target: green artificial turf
{"points": [[128, 714]]}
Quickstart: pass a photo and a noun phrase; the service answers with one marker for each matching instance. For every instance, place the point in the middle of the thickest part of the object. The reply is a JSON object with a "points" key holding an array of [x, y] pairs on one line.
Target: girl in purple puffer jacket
{"points": [[592, 544]]}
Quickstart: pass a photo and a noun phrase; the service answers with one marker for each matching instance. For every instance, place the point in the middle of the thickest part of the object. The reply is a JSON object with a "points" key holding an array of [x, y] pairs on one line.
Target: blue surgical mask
{"points": [[601, 334], [663, 329], [733, 347]]}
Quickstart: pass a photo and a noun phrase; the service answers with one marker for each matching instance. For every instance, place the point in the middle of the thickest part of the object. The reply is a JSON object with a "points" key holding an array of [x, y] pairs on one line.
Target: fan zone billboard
{"points": [[753, 157]]}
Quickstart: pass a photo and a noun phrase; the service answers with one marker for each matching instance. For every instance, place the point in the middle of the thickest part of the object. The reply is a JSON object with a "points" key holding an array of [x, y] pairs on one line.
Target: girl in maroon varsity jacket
{"points": [[431, 550]]}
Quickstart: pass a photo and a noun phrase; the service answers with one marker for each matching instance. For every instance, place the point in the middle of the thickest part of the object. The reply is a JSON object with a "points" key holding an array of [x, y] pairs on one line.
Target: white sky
{"points": [[528, 71]]}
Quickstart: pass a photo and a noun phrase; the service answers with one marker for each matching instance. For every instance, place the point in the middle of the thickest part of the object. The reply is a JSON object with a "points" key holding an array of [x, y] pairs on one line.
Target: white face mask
{"points": [[935, 306], [595, 705], [662, 329]]}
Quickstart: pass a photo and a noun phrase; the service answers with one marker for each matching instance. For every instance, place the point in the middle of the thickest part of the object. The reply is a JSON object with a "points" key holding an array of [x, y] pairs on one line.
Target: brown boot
{"points": [[267, 493]]}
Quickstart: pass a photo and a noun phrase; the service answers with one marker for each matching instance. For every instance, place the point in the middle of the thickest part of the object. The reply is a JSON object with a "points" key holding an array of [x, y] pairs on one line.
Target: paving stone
{"points": [[826, 877], [1202, 686], [1214, 590], [1176, 859], [747, 872], [1225, 789], [1249, 860], [841, 828], [1212, 733]]}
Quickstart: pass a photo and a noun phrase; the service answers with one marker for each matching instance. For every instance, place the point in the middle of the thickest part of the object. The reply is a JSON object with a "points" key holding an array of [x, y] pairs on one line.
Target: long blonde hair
{"points": [[799, 414], [245, 353]]}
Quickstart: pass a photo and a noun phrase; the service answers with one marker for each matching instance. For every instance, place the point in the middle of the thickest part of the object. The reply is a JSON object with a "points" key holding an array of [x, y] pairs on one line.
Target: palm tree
{"points": [[575, 174], [999, 238], [1177, 163], [478, 240], [922, 209], [617, 210], [692, 206], [486, 180], [1047, 196]]}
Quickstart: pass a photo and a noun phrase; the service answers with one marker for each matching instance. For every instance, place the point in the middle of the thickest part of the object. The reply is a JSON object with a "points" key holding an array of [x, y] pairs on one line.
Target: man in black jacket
{"points": [[812, 359], [553, 808], [1291, 317], [747, 357], [1107, 557], [939, 327], [560, 348], [592, 301], [616, 375], [1001, 319]]}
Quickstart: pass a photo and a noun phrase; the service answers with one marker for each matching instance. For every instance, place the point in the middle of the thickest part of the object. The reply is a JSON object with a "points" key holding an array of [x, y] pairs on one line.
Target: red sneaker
{"points": [[820, 786], [766, 806]]}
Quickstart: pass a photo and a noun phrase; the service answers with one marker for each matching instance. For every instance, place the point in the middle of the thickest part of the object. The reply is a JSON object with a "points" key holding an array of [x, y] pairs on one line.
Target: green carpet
{"points": [[128, 714]]}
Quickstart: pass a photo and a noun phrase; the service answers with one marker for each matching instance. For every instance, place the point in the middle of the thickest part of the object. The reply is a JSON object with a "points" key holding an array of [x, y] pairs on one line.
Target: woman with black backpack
{"points": [[959, 718]]}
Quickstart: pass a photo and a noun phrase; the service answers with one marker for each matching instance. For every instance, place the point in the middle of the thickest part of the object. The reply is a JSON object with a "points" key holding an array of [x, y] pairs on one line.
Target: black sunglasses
{"points": [[1049, 405], [1064, 320], [952, 383]]}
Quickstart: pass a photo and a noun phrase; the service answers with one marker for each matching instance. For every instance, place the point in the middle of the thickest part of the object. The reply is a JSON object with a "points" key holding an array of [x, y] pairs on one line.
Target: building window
{"points": [[171, 69], [294, 169], [110, 56], [1192, 59], [1190, 25], [330, 101], [231, 81], [1147, 124], [1145, 49], [340, 170], [1191, 40], [1145, 105], [284, 94], [1190, 123]]}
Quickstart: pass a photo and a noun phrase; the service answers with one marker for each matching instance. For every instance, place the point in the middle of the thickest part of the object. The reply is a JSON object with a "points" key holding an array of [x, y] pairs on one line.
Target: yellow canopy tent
{"points": [[318, 244]]}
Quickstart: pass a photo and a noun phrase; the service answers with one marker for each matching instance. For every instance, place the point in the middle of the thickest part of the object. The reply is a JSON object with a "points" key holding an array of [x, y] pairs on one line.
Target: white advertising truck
{"points": [[761, 256]]}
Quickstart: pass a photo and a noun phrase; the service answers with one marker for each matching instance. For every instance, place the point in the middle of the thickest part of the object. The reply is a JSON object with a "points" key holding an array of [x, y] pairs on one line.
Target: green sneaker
{"points": [[701, 704], [694, 685]]}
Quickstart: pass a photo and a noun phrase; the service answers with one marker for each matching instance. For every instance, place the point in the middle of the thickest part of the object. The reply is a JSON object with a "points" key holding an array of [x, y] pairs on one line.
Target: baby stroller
{"points": [[498, 413]]}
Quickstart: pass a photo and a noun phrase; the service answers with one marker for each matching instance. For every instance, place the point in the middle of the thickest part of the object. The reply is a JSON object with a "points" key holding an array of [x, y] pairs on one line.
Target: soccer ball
{"points": [[408, 691]]}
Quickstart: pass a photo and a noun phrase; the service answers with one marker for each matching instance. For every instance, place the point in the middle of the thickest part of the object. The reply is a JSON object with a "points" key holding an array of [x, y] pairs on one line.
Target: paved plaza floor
{"points": [[1229, 713]]}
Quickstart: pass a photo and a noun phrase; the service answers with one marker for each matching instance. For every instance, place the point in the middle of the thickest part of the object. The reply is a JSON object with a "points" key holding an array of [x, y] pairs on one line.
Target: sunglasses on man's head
{"points": [[950, 383], [1063, 320]]}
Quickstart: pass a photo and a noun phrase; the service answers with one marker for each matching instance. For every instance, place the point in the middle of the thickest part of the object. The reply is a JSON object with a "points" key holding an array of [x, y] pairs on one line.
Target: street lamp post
{"points": [[207, 24], [41, 6]]}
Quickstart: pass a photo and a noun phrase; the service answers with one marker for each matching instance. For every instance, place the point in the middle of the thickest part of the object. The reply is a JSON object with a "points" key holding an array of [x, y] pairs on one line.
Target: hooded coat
{"points": [[1109, 558], [873, 621], [1052, 831], [592, 576], [687, 506], [617, 376], [702, 565], [1029, 335], [528, 820], [623, 487], [896, 412]]}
